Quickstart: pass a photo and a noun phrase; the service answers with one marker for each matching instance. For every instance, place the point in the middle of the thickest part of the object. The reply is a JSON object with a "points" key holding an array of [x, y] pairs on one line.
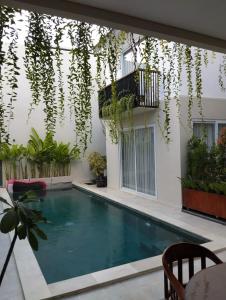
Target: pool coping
{"points": [[35, 286]]}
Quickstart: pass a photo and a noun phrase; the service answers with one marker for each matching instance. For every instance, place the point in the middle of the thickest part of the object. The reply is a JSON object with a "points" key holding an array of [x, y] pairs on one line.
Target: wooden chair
{"points": [[177, 253]]}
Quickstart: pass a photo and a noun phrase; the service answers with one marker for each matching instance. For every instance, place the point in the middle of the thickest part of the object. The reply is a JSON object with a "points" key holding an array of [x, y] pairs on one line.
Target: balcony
{"points": [[146, 92]]}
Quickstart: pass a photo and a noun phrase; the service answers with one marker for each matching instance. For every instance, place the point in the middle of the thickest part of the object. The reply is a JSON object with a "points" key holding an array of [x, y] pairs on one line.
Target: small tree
{"points": [[23, 221]]}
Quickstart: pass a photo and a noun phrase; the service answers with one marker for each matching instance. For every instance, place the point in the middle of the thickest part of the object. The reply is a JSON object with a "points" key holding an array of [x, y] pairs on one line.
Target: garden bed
{"points": [[208, 203]]}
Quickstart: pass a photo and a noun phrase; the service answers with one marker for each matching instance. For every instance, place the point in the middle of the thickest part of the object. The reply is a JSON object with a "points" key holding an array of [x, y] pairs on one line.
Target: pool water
{"points": [[88, 233]]}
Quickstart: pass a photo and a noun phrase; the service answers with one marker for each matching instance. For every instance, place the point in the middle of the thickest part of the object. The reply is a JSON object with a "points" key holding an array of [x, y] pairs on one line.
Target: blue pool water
{"points": [[88, 233]]}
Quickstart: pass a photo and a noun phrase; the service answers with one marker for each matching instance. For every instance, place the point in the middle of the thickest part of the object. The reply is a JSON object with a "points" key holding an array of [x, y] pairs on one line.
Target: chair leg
{"points": [[166, 289]]}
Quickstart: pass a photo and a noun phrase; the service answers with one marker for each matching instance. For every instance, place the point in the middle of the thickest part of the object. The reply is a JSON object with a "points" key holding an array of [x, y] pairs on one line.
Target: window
{"points": [[138, 160], [210, 131]]}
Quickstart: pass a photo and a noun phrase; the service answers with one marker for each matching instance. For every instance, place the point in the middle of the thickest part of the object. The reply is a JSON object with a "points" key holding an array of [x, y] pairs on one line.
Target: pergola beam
{"points": [[120, 21]]}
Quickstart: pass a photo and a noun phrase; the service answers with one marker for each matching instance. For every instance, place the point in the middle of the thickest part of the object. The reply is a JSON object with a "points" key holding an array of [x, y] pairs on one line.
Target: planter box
{"points": [[208, 203]]}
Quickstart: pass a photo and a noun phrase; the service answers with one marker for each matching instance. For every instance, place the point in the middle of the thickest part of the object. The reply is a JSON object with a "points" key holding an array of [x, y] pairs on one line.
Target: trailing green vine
{"points": [[44, 61], [59, 33], [80, 81], [189, 65], [39, 66], [7, 16]]}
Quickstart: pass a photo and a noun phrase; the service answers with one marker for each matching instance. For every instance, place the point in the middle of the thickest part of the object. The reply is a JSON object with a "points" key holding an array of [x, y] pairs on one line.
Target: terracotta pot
{"points": [[209, 203]]}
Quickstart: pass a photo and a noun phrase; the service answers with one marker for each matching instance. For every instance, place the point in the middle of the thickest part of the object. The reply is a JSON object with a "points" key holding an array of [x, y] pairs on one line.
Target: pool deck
{"points": [[149, 281]]}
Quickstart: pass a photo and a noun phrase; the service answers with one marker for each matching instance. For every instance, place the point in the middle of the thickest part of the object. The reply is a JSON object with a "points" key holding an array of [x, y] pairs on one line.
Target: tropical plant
{"points": [[21, 219], [41, 152], [62, 158], [97, 163]]}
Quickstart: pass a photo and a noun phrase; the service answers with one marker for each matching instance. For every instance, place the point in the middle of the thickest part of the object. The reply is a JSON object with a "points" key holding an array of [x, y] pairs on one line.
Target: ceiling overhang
{"points": [[121, 21]]}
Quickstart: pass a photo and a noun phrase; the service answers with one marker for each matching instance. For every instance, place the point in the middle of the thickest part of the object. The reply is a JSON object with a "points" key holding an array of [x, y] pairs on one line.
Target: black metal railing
{"points": [[145, 90]]}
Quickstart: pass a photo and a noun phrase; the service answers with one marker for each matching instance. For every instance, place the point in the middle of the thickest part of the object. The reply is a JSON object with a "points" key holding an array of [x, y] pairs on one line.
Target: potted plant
{"points": [[97, 164], [204, 187]]}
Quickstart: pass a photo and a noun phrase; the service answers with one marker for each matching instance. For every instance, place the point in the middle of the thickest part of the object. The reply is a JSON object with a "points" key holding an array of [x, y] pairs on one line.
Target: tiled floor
{"points": [[144, 287]]}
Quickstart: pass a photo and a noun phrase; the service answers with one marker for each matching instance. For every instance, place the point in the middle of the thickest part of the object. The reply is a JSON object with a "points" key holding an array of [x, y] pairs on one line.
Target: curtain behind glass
{"points": [[206, 132], [145, 160], [128, 160]]}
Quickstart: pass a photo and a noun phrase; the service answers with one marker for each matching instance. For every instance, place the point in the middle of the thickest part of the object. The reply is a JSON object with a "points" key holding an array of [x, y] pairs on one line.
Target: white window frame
{"points": [[210, 121], [131, 191]]}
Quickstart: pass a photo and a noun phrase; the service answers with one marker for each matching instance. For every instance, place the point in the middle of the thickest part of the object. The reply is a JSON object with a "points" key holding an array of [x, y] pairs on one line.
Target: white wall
{"points": [[167, 162], [20, 126], [171, 158]]}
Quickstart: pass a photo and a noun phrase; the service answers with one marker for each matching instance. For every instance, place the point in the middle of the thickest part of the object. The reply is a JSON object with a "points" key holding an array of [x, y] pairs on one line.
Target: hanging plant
{"points": [[80, 81], [7, 32], [188, 66], [59, 29], [112, 42], [39, 66], [198, 78], [12, 70]]}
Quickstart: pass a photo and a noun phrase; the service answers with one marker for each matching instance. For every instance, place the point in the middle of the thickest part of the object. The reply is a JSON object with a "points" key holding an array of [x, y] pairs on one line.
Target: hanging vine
{"points": [[44, 70], [59, 33], [198, 78], [39, 66], [188, 66], [80, 81], [9, 33]]}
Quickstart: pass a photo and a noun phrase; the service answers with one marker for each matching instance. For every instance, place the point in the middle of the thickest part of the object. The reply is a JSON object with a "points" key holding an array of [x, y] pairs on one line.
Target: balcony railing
{"points": [[145, 92]]}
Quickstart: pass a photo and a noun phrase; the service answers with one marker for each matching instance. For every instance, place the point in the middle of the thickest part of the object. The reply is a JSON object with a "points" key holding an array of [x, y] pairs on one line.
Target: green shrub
{"points": [[206, 170]]}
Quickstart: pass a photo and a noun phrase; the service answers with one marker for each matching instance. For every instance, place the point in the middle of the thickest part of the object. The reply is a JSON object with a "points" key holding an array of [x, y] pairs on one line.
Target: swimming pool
{"points": [[89, 233]]}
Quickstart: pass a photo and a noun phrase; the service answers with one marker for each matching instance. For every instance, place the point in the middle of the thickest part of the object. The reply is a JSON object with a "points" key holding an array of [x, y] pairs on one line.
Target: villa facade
{"points": [[142, 163]]}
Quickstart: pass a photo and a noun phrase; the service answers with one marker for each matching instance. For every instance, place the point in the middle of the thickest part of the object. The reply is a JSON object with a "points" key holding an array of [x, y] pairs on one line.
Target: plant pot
{"points": [[101, 181], [208, 203]]}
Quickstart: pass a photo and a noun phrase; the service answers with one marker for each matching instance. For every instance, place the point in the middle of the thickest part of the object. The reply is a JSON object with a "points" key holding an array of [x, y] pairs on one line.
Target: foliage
{"points": [[9, 33], [205, 168], [97, 163], [197, 158], [80, 80], [40, 158], [118, 111], [21, 219], [39, 66], [209, 187], [43, 63]]}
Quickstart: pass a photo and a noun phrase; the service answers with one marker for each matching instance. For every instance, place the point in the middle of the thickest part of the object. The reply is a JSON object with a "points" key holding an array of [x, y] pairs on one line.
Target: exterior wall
{"points": [[20, 126], [167, 160], [171, 158]]}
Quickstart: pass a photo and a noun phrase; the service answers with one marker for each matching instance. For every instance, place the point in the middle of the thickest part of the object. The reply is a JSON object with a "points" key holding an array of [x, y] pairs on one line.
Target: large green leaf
{"points": [[32, 240], [40, 233], [22, 232], [4, 201], [9, 221]]}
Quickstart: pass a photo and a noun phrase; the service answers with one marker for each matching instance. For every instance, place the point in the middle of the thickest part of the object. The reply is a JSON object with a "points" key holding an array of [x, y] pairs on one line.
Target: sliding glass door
{"points": [[138, 160]]}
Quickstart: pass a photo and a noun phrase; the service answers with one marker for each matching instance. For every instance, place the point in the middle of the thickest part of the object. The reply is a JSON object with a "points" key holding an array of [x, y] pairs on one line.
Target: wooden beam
{"points": [[69, 9]]}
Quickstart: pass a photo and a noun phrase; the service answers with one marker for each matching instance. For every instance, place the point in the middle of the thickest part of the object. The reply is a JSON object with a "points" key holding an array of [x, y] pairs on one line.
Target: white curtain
{"points": [[145, 160], [206, 131], [128, 162], [138, 160]]}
